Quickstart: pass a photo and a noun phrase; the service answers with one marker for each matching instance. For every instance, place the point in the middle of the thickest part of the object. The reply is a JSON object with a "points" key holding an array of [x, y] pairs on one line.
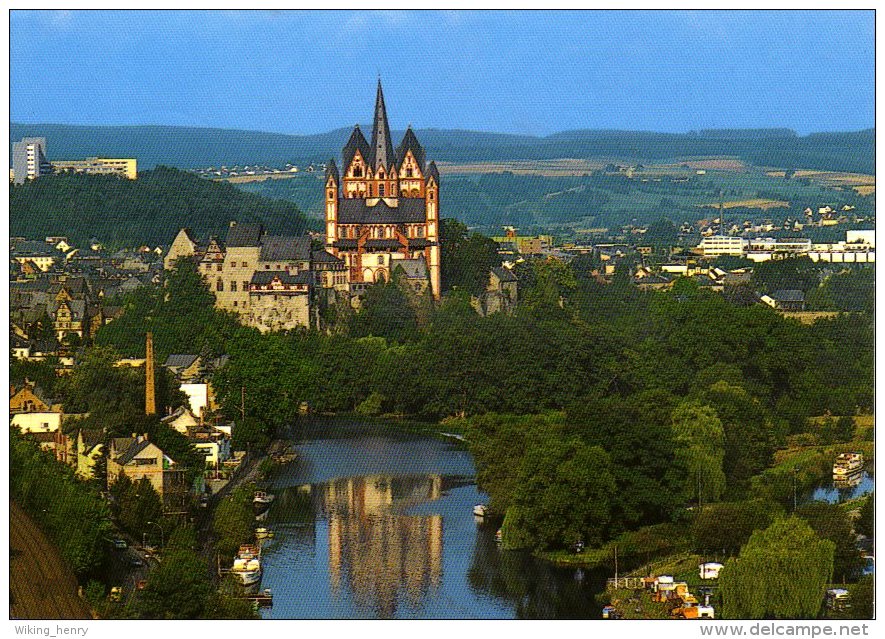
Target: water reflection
{"points": [[375, 550], [843, 489]]}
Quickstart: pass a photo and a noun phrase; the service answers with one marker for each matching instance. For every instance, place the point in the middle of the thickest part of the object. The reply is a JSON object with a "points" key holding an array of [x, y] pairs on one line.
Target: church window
{"points": [[380, 190], [245, 264], [267, 267], [380, 260], [218, 268], [331, 194], [357, 171], [420, 230], [235, 302], [408, 172], [431, 195], [371, 190], [245, 285]]}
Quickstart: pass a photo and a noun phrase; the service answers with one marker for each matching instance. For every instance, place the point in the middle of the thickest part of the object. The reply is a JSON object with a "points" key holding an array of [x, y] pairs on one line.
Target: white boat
{"points": [[847, 464], [247, 565], [480, 510], [262, 498], [263, 533]]}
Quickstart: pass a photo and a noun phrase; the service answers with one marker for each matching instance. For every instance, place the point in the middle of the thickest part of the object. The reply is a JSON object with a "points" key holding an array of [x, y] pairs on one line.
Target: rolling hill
{"points": [[189, 147]]}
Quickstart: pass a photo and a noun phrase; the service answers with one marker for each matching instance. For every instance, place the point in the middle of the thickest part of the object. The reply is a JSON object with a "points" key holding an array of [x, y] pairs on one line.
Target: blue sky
{"points": [[516, 72]]}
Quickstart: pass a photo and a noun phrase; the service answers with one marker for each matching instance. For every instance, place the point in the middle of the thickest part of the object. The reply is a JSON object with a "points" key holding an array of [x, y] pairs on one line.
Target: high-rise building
{"points": [[29, 160], [384, 208]]}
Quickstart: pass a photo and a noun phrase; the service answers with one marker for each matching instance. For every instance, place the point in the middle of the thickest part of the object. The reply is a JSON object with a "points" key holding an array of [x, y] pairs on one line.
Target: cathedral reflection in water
{"points": [[376, 551]]}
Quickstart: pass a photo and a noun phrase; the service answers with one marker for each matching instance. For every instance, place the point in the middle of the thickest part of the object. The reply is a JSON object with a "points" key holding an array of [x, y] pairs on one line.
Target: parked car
{"points": [[136, 562], [120, 544]]}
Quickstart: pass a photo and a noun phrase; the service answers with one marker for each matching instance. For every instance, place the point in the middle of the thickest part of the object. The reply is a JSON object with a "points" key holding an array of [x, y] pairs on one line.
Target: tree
{"points": [[866, 520], [179, 588], [830, 522], [137, 503], [782, 573], [725, 527], [563, 494], [466, 258], [699, 445]]}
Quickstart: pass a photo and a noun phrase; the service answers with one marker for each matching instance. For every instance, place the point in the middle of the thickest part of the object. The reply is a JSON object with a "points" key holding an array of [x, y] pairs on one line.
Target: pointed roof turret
{"points": [[382, 147], [357, 142], [410, 143], [433, 172], [332, 171]]}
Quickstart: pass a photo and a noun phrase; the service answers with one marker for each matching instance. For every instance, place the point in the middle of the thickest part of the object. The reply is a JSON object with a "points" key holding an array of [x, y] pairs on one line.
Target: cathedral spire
{"points": [[382, 147]]}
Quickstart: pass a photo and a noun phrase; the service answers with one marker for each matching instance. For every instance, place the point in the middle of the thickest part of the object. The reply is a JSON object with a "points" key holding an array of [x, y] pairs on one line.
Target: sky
{"points": [[530, 72]]}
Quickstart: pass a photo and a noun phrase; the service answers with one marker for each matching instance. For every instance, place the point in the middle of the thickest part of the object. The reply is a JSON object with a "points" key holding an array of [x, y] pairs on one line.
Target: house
{"points": [[182, 420], [89, 448], [139, 458], [786, 300], [28, 399], [500, 294], [185, 367], [57, 443]]}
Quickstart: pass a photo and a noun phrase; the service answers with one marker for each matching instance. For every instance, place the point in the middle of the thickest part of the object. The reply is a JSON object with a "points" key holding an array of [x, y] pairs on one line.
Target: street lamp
{"points": [[161, 531]]}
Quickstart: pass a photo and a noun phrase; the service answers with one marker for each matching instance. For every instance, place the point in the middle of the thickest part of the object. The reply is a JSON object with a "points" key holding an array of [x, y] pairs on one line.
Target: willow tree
{"points": [[699, 441], [782, 573]]}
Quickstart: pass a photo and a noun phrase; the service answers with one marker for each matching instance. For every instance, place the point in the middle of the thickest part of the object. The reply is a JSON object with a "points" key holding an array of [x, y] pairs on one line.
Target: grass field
{"points": [[751, 203], [862, 183]]}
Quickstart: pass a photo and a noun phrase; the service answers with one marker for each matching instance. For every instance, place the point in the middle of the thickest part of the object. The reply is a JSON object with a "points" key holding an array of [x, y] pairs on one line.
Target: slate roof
{"points": [[266, 277], [357, 142], [410, 143], [33, 247], [413, 269], [284, 247], [433, 172], [131, 451], [332, 170], [324, 257], [788, 295], [382, 145], [504, 274], [356, 211], [180, 360], [244, 235]]}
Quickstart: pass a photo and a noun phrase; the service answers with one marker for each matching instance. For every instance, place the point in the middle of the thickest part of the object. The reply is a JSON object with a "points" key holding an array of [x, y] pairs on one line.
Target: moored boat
{"points": [[847, 464], [480, 510], [263, 533], [247, 565], [262, 498]]}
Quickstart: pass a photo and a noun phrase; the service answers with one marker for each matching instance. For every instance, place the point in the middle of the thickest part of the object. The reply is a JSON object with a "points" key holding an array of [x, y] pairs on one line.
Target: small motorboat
{"points": [[262, 498], [499, 536], [480, 510]]}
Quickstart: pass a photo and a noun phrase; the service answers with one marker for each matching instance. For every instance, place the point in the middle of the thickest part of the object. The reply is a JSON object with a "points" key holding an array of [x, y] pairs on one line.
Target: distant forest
{"points": [[149, 210], [188, 147]]}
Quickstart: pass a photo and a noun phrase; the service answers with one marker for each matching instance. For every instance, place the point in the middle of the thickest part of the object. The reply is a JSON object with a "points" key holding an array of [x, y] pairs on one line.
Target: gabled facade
{"points": [[384, 206]]}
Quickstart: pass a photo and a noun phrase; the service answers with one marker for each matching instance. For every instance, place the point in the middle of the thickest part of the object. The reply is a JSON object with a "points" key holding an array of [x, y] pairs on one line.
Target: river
{"points": [[374, 522]]}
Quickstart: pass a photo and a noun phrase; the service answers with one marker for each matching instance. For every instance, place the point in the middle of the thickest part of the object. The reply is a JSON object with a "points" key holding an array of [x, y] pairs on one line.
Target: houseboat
{"points": [[247, 565], [847, 464]]}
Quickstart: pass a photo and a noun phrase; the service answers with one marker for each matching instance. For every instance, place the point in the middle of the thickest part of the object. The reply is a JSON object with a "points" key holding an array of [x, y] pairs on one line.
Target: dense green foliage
{"points": [[466, 258], [830, 522], [670, 391], [725, 527], [781, 573], [70, 511], [149, 210]]}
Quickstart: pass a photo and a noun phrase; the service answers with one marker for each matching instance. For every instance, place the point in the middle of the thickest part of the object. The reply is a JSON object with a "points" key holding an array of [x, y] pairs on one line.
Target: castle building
{"points": [[384, 207]]}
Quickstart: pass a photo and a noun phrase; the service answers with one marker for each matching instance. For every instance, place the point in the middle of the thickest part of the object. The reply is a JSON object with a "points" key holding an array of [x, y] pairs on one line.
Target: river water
{"points": [[374, 522]]}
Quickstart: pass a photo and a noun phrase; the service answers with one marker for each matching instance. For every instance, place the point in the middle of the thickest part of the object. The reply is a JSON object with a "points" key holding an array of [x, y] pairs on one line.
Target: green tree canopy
{"points": [[782, 573], [699, 446]]}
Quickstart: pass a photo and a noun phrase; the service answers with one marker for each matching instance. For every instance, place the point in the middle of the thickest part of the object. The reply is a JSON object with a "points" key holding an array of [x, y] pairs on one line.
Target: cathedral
{"points": [[382, 211]]}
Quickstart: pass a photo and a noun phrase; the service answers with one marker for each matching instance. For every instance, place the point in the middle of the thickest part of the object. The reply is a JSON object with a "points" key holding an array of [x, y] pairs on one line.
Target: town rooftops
{"points": [[413, 269], [180, 360], [284, 247], [788, 295], [504, 274], [324, 257], [244, 235]]}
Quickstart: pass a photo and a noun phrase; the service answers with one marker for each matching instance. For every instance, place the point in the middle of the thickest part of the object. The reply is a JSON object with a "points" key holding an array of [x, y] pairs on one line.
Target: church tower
{"points": [[382, 210]]}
